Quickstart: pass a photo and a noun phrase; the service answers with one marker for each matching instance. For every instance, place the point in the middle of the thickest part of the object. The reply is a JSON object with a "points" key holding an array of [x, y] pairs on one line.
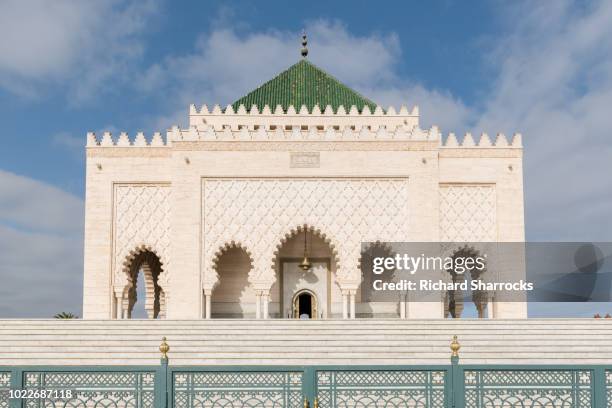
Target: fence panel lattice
{"points": [[100, 389], [237, 389], [5, 386], [528, 388], [381, 388]]}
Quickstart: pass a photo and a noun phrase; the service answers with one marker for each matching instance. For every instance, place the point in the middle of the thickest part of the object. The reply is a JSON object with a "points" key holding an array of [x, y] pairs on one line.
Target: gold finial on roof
{"points": [[304, 44]]}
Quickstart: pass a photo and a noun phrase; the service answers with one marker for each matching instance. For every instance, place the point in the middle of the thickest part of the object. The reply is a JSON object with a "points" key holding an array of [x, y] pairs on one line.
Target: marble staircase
{"points": [[298, 342]]}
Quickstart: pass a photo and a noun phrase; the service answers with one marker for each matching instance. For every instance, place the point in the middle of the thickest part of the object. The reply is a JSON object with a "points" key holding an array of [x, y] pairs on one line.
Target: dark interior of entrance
{"points": [[305, 305]]}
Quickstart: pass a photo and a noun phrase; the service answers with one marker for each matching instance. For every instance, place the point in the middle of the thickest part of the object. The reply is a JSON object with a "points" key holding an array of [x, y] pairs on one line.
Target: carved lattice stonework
{"points": [[528, 388], [142, 222], [397, 388], [238, 389], [94, 389], [259, 213], [468, 213], [5, 386]]}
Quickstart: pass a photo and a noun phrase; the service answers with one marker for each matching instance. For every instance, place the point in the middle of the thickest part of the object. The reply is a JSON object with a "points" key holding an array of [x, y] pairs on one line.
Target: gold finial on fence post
{"points": [[316, 403], [164, 348], [455, 346], [306, 403]]}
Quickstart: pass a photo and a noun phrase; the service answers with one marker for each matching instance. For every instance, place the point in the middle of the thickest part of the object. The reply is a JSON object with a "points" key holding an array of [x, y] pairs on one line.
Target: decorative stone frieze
{"points": [[142, 223], [468, 213], [259, 213]]}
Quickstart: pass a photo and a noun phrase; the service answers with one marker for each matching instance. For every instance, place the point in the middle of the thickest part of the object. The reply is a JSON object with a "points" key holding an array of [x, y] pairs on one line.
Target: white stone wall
{"points": [[208, 187], [105, 169]]}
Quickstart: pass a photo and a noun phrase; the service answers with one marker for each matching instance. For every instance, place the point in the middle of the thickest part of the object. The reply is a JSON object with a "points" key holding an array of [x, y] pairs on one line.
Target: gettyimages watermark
{"points": [[489, 271]]}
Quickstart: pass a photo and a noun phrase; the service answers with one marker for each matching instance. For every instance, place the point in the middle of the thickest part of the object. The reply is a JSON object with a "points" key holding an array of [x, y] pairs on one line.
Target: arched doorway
{"points": [[145, 265], [317, 283], [305, 305], [369, 306], [455, 305], [233, 296]]}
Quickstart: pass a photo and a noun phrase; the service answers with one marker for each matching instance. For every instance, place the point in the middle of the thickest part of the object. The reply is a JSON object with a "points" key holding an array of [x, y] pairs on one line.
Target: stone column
{"points": [[203, 305], [125, 305], [344, 305], [402, 306], [266, 301], [352, 299], [119, 312], [258, 305], [117, 305], [208, 302]]}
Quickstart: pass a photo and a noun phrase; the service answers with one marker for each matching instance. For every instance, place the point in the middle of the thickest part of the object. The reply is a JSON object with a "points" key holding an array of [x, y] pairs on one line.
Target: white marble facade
{"points": [[215, 215]]}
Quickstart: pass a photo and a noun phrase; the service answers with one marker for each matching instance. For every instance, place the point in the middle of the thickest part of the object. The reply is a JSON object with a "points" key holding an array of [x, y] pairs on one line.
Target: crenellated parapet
{"points": [[123, 140], [295, 133], [468, 141], [330, 133], [303, 110], [227, 125], [271, 118]]}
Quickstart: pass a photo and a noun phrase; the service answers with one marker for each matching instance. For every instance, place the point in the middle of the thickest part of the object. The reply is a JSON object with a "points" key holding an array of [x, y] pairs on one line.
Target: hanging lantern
{"points": [[305, 265]]}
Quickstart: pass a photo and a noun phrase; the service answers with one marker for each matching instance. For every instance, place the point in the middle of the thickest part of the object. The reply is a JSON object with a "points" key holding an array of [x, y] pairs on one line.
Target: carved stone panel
{"points": [[468, 213], [259, 212], [141, 221]]}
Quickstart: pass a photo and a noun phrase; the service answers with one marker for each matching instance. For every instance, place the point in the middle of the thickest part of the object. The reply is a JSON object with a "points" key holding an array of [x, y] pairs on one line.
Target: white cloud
{"points": [[76, 45], [225, 66], [555, 86], [33, 205], [41, 247], [75, 143], [69, 141], [436, 107], [42, 274]]}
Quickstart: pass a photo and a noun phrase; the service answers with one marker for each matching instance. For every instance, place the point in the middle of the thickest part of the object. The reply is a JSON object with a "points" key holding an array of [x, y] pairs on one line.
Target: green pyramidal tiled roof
{"points": [[304, 84]]}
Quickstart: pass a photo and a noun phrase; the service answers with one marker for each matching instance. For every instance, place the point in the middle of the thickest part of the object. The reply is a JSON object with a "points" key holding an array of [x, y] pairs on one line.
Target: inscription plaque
{"points": [[305, 159]]}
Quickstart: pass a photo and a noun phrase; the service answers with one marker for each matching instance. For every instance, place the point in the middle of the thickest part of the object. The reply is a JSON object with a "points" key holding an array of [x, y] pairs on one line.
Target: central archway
{"points": [[305, 304], [316, 287]]}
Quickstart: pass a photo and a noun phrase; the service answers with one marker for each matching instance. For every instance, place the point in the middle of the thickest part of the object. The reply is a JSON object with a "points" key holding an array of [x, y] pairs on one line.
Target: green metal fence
{"points": [[441, 386]]}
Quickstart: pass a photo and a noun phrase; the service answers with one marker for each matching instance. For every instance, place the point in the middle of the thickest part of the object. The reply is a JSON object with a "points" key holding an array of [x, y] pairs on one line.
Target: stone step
{"points": [[314, 340], [321, 336], [313, 349], [318, 353], [301, 324], [65, 330], [402, 327], [209, 343]]}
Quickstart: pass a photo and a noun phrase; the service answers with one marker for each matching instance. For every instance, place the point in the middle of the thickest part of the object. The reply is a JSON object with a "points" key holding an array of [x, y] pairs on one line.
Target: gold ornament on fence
{"points": [[455, 346], [164, 348]]}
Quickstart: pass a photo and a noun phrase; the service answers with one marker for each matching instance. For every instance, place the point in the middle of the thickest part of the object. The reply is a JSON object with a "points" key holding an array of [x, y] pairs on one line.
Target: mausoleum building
{"points": [[259, 209]]}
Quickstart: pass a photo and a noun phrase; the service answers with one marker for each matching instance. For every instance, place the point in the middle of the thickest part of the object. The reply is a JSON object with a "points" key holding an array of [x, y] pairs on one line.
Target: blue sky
{"points": [[67, 67]]}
